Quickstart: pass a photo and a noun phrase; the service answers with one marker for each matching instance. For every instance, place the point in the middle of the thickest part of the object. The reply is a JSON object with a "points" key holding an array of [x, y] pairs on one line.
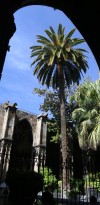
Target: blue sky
{"points": [[18, 82]]}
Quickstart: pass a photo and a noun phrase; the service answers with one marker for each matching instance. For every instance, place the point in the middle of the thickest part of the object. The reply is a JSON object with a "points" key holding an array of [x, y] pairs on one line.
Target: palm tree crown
{"points": [[87, 115], [58, 49]]}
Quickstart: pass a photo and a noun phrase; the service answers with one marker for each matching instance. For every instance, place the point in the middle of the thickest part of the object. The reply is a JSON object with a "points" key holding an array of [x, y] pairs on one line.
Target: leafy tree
{"points": [[49, 179], [59, 61], [87, 114], [51, 104], [93, 181]]}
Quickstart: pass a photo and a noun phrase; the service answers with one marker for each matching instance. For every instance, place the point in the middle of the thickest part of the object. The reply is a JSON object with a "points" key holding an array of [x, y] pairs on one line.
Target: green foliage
{"points": [[76, 186], [40, 92], [56, 138], [86, 115], [54, 130], [93, 180], [51, 102], [58, 49], [49, 178]]}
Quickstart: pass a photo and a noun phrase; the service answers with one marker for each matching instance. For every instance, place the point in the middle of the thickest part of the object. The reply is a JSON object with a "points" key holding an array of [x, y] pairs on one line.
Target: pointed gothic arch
{"points": [[22, 145], [84, 15]]}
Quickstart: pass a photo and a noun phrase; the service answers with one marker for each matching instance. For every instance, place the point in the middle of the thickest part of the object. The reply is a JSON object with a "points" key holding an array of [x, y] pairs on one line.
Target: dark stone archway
{"points": [[84, 14], [21, 151]]}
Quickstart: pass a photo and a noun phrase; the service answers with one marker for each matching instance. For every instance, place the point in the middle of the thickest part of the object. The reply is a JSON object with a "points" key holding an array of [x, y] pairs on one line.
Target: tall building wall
{"points": [[27, 129], [2, 113], [38, 124], [32, 119]]}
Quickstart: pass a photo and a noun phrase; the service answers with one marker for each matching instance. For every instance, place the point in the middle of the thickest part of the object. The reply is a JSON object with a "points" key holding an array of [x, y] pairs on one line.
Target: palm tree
{"points": [[87, 115], [57, 62]]}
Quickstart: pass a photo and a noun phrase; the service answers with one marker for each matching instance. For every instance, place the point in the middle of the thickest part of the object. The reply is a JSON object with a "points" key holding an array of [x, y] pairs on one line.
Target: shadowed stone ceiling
{"points": [[84, 14]]}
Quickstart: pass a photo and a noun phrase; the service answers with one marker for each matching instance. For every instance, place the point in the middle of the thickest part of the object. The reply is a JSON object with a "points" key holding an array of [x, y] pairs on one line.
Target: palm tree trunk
{"points": [[64, 138]]}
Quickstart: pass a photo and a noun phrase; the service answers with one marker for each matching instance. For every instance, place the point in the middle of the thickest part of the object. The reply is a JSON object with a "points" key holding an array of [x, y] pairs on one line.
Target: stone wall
{"points": [[38, 124], [2, 112], [24, 133], [32, 119]]}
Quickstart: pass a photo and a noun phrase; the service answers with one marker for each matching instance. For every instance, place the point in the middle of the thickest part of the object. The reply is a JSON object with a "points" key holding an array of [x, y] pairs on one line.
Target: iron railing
{"points": [[84, 188]]}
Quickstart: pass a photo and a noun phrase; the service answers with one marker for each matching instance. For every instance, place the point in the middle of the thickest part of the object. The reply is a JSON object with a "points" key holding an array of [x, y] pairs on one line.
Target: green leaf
{"points": [[70, 33]]}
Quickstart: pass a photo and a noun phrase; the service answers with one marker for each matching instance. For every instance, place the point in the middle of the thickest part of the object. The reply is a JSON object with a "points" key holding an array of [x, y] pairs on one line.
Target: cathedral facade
{"points": [[22, 136]]}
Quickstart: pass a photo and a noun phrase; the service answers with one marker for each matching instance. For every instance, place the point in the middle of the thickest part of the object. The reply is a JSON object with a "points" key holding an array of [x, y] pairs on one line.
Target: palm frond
{"points": [[94, 137], [49, 34], [36, 53], [70, 34], [60, 30], [38, 67], [44, 77], [55, 80], [44, 68], [43, 39], [72, 72], [64, 54], [51, 60], [52, 30], [38, 58], [82, 50], [76, 41], [78, 114], [49, 75], [35, 48]]}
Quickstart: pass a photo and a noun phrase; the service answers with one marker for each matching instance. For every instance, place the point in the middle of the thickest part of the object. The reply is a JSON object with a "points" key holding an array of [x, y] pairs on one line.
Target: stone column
{"points": [[5, 122], [40, 140], [6, 138], [7, 29]]}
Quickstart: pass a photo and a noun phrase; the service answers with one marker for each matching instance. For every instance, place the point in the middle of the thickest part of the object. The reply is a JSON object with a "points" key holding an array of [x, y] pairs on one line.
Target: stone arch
{"points": [[81, 13], [23, 134], [22, 145]]}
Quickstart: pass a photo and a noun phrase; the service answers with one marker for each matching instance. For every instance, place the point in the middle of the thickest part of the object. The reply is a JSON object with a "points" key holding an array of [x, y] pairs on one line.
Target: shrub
{"points": [[49, 179], [24, 184], [76, 186], [93, 180]]}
